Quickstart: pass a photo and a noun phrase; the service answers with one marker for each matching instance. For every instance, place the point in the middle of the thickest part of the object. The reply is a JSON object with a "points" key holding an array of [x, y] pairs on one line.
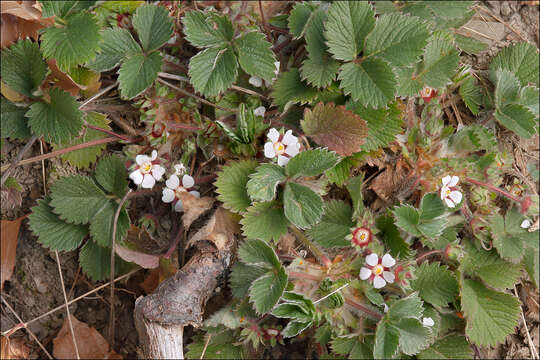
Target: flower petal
{"points": [[454, 181], [148, 181], [372, 259], [456, 196], [388, 260], [378, 282], [168, 195], [136, 176], [173, 182], [525, 224], [158, 171], [178, 206], [269, 151], [292, 150], [428, 322], [179, 169], [259, 111], [289, 138], [365, 273], [273, 135], [449, 203], [154, 155], [255, 81], [443, 191], [282, 160], [195, 193], [187, 181], [446, 180], [141, 159], [389, 277]]}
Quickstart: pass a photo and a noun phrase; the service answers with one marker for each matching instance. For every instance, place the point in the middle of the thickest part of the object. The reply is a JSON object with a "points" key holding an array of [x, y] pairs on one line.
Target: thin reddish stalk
{"points": [[363, 309], [109, 132], [428, 254], [494, 188]]}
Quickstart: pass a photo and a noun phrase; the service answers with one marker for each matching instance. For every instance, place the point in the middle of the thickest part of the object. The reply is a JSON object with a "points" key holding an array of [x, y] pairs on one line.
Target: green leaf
{"points": [[348, 24], [441, 60], [354, 187], [407, 307], [311, 162], [449, 347], [289, 87], [435, 284], [264, 221], [294, 328], [507, 88], [300, 19], [509, 238], [213, 70], [490, 315], [96, 261], [265, 292], [407, 218], [472, 138], [382, 124], [224, 316], [220, 345], [489, 267], [529, 98], [409, 84], [101, 225], [262, 184], [413, 336], [23, 69], [117, 44], [335, 224], [242, 276], [138, 72], [469, 45], [255, 55], [231, 185], [258, 253], [517, 118], [153, 25], [57, 121], [335, 127], [52, 232], [77, 199], [82, 158], [291, 311], [521, 59], [389, 234], [14, 124], [63, 8], [471, 94], [432, 220], [111, 175], [371, 82], [398, 39], [73, 44], [531, 264], [303, 207], [207, 29], [386, 341]]}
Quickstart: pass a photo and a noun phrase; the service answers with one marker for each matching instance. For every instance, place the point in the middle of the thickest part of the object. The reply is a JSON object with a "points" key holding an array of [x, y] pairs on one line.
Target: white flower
{"points": [[283, 146], [385, 308], [377, 270], [526, 224], [179, 169], [255, 81], [449, 192], [173, 190], [428, 322], [147, 171], [259, 111]]}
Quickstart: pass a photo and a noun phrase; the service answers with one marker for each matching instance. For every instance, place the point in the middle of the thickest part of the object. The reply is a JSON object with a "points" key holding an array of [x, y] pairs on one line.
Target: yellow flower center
{"points": [[378, 269], [363, 237], [448, 192], [279, 148], [146, 167]]}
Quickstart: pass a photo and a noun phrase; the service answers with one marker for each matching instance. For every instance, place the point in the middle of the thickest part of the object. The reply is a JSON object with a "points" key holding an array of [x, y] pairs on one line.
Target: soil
{"points": [[35, 286]]}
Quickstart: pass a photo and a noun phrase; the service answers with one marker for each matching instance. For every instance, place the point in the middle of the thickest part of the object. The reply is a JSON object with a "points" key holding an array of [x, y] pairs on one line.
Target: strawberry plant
{"points": [[415, 258]]}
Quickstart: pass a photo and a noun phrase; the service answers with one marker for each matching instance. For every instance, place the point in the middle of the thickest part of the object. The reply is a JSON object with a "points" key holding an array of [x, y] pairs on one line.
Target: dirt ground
{"points": [[35, 286]]}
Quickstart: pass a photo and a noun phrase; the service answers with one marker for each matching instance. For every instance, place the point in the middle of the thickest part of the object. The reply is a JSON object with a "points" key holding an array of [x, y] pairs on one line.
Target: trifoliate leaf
{"points": [[435, 284], [311, 162], [386, 341], [383, 124], [441, 60], [258, 253], [335, 127], [242, 276], [52, 232], [231, 185], [82, 158], [407, 307], [262, 184], [207, 29], [517, 118], [491, 315], [520, 59], [407, 218], [101, 225], [413, 336], [75, 43], [509, 238], [57, 121], [111, 175], [348, 24], [14, 124], [213, 70], [469, 45], [153, 25], [449, 347], [265, 292], [398, 39], [289, 87], [334, 226], [303, 207], [23, 69], [77, 199], [117, 44], [255, 55], [371, 82], [138, 72], [471, 94], [264, 221], [389, 234], [489, 267], [300, 19], [95, 261]]}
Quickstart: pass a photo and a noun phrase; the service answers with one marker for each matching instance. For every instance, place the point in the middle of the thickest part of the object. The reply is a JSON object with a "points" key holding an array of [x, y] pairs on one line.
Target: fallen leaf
{"points": [[19, 20], [194, 207], [146, 261], [13, 348], [139, 247], [63, 80], [220, 229], [90, 343], [8, 239]]}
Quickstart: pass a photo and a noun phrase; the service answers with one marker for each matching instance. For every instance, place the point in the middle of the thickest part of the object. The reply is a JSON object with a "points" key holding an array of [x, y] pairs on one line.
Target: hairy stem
{"points": [[495, 189], [319, 254]]}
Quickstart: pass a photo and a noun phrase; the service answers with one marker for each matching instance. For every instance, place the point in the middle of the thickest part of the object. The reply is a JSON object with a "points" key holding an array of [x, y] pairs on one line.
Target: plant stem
{"points": [[109, 132], [364, 309], [300, 275], [495, 189], [319, 254], [428, 254], [17, 161]]}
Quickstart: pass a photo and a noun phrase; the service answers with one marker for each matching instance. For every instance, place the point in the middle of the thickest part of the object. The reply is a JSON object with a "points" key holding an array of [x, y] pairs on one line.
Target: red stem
{"points": [[363, 309], [109, 132], [428, 254], [495, 189]]}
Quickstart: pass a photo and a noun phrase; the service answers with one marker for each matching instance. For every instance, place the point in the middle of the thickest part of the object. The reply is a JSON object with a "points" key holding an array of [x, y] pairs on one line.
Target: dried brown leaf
{"points": [[220, 229], [8, 239], [13, 348], [20, 20], [156, 276], [194, 207], [335, 127], [10, 94], [63, 80]]}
